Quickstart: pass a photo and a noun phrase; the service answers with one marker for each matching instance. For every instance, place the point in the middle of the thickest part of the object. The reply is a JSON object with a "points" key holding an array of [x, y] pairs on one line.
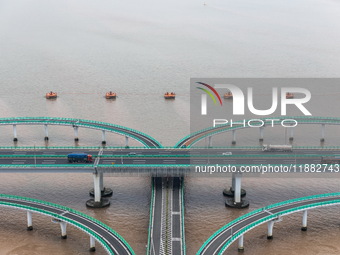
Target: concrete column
{"points": [[322, 133], [233, 182], [103, 137], [63, 229], [237, 189], [126, 141], [291, 134], [234, 137], [15, 137], [76, 138], [97, 194], [240, 243], [210, 141], [304, 221], [92, 244], [270, 230], [46, 132], [101, 182], [261, 134], [29, 221]]}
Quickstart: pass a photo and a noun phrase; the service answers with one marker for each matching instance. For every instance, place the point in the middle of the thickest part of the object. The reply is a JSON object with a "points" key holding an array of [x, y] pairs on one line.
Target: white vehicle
{"points": [[269, 147], [227, 153]]}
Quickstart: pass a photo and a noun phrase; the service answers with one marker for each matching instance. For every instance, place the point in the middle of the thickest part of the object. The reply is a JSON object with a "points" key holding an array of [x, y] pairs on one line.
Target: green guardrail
{"points": [[268, 218], [63, 218], [150, 217], [184, 248], [125, 156], [262, 209], [220, 129], [81, 123], [20, 148], [90, 166]]}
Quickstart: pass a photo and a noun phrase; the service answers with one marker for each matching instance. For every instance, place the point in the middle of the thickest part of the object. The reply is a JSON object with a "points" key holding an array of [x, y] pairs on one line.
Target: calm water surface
{"points": [[81, 49]]}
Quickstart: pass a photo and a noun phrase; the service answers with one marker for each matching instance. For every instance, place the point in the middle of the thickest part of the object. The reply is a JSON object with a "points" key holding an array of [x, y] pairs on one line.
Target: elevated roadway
{"points": [[224, 237], [143, 138], [107, 237], [166, 230]]}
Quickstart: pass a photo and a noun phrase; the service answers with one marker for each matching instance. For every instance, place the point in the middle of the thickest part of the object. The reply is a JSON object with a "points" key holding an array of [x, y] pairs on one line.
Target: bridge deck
{"points": [[223, 238], [112, 242], [166, 222]]}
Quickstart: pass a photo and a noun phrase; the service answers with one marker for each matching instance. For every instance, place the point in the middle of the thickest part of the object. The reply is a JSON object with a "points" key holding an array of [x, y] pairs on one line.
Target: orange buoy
{"points": [[51, 95], [289, 95], [110, 95], [228, 95], [169, 95]]}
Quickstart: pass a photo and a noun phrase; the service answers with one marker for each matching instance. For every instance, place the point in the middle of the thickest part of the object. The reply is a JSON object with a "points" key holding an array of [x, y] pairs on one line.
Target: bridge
{"points": [[166, 166], [144, 139], [112, 242], [195, 137], [166, 230], [235, 230]]}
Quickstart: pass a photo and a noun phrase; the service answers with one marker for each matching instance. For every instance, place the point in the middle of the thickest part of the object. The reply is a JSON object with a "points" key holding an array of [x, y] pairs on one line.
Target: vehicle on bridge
{"points": [[269, 147], [330, 160], [79, 157]]}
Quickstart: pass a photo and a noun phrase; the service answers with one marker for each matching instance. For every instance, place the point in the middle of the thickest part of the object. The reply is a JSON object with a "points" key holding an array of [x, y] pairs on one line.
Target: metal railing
{"points": [[63, 218], [272, 216]]}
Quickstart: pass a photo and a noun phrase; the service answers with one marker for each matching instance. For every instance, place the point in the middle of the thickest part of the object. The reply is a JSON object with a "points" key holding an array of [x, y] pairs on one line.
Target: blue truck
{"points": [[79, 158]]}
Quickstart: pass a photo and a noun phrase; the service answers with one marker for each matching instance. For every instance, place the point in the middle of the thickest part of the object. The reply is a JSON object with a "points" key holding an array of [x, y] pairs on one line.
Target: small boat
{"points": [[169, 95], [289, 95], [51, 95], [228, 95], [110, 95]]}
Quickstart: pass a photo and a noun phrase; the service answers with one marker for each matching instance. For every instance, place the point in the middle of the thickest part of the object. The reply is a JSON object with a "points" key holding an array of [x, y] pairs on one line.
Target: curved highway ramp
{"points": [[218, 243], [107, 237]]}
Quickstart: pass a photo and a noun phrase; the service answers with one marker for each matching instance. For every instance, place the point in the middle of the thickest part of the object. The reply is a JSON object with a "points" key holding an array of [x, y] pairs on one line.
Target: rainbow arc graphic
{"points": [[213, 95]]}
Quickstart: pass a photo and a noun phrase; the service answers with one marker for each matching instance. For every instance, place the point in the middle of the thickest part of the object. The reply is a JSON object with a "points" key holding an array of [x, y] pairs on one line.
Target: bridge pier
{"points": [[29, 221], [304, 220], [270, 230], [291, 134], [46, 132], [15, 137], [261, 134], [105, 192], [231, 191], [63, 226], [98, 201], [322, 139], [234, 137], [210, 141], [237, 201], [92, 244], [126, 142], [240, 243], [103, 137], [76, 138]]}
